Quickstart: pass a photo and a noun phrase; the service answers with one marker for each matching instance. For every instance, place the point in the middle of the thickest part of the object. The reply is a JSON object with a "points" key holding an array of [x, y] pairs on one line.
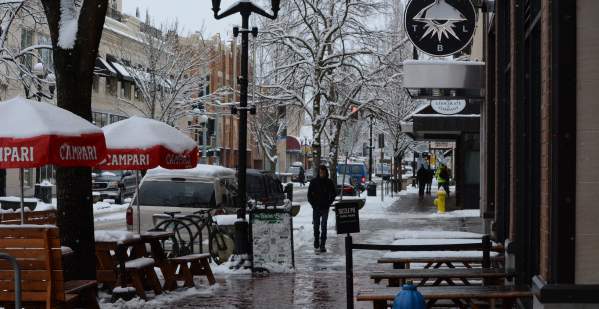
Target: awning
{"points": [[444, 79], [103, 68], [122, 71], [293, 144], [427, 124]]}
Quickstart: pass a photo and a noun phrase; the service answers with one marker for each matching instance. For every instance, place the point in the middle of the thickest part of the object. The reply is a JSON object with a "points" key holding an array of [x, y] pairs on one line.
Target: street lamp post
{"points": [[370, 153], [204, 122], [245, 8]]}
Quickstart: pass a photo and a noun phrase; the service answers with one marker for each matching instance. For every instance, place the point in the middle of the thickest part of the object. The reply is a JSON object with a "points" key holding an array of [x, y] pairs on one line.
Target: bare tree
{"points": [[169, 72], [75, 30], [310, 43]]}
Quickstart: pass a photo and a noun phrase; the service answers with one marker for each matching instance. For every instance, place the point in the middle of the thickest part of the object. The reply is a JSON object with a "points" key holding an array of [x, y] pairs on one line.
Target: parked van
{"points": [[357, 171], [187, 191]]}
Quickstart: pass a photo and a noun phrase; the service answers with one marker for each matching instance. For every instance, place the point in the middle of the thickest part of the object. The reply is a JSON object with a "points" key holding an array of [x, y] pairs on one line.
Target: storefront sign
{"points": [[440, 27], [346, 215], [448, 107], [272, 237]]}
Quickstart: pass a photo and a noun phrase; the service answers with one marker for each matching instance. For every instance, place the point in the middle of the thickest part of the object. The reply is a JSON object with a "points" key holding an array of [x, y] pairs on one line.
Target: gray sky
{"points": [[191, 14]]}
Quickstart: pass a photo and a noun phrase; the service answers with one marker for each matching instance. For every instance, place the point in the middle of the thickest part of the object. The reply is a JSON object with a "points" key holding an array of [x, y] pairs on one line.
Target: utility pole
{"points": [[245, 8], [370, 153]]}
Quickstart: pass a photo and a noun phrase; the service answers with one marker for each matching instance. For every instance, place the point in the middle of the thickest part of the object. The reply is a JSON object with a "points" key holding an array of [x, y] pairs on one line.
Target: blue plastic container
{"points": [[409, 298]]}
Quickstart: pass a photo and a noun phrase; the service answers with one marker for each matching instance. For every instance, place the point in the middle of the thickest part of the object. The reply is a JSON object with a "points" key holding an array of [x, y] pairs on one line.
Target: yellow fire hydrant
{"points": [[440, 200]]}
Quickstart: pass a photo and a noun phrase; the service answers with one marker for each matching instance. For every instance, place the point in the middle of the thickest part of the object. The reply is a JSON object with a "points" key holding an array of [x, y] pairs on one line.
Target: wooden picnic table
{"points": [[397, 276], [438, 259], [116, 269], [457, 294]]}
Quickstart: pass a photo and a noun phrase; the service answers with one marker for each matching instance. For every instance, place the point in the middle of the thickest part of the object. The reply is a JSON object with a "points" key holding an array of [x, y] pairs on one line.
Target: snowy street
{"points": [[319, 280]]}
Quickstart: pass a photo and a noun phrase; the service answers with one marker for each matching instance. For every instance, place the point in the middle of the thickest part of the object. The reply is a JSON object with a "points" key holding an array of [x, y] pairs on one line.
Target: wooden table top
{"points": [[439, 259], [448, 292], [448, 273], [156, 235]]}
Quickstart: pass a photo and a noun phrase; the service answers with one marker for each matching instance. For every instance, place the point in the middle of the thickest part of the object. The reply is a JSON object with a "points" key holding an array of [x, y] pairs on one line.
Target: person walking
{"points": [[443, 178], [430, 174], [321, 194], [302, 177], [421, 176]]}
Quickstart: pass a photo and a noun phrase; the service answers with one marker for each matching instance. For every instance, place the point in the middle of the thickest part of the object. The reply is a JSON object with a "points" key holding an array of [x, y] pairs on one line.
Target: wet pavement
{"points": [[319, 280]]}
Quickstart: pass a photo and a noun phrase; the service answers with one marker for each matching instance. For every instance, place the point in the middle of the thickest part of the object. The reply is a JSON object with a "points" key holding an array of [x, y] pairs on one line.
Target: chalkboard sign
{"points": [[346, 215], [272, 239]]}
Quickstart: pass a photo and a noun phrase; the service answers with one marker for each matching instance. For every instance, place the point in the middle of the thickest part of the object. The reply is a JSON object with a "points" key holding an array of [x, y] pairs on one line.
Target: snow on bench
{"points": [[139, 263], [114, 236]]}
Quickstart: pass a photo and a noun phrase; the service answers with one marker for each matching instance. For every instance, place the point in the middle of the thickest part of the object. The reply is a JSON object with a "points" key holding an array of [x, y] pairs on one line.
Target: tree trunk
{"points": [[335, 148], [316, 136], [74, 71]]}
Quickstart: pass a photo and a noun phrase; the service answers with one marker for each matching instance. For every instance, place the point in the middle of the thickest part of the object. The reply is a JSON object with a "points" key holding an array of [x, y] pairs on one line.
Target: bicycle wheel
{"points": [[180, 243], [221, 246]]}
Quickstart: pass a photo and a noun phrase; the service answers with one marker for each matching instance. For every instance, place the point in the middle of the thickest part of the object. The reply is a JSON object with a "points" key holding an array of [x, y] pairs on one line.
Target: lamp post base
{"points": [[242, 245]]}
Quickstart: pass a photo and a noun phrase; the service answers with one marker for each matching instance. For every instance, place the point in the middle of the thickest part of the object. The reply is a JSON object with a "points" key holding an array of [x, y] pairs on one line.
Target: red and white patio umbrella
{"points": [[33, 134], [140, 144]]}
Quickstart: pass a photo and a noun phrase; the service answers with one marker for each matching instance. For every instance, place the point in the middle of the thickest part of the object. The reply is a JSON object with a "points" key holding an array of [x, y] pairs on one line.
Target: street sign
{"points": [[347, 219], [272, 239], [448, 107], [440, 27]]}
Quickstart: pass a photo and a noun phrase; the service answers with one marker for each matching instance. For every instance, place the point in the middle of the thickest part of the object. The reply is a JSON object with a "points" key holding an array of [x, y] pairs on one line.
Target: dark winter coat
{"points": [[321, 192], [422, 175]]}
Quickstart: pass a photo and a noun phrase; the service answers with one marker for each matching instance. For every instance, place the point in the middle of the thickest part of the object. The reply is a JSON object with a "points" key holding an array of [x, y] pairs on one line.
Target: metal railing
{"points": [[17, 269]]}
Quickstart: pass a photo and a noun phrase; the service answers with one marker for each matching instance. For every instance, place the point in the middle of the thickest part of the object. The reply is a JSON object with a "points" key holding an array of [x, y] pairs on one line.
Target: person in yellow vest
{"points": [[442, 176]]}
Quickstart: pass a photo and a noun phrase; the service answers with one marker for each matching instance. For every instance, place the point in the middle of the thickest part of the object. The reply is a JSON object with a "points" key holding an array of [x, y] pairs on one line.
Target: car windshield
{"points": [[108, 174], [176, 194]]}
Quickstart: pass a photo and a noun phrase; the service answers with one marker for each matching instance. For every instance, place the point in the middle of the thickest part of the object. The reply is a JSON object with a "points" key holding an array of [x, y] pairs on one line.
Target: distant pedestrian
{"points": [[321, 194], [302, 177], [421, 176], [430, 174], [443, 178]]}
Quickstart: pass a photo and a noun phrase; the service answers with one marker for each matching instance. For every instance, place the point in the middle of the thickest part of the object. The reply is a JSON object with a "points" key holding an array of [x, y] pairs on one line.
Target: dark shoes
{"points": [[316, 244], [323, 249]]}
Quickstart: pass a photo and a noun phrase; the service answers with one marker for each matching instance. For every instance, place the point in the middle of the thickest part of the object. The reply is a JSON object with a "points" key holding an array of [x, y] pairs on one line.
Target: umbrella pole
{"points": [[21, 176], [137, 202]]}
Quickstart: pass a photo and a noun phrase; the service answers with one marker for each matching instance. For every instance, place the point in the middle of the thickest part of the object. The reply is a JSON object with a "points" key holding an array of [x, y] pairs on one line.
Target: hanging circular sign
{"points": [[440, 27], [448, 107]]}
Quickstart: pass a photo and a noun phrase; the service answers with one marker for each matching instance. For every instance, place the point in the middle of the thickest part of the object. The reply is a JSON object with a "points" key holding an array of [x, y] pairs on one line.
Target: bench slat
{"points": [[438, 273], [30, 274], [449, 292]]}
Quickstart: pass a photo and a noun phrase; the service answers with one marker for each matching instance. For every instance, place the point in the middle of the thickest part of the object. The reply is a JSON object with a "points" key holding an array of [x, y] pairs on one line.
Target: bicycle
{"points": [[220, 243], [181, 242]]}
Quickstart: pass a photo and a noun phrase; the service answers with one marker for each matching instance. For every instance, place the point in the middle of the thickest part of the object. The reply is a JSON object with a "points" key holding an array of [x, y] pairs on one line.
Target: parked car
{"points": [[357, 171], [383, 170], [265, 188], [344, 185], [186, 191], [295, 171], [115, 185]]}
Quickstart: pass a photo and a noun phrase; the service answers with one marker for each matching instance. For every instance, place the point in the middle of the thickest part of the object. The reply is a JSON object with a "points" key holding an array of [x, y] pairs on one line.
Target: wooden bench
{"points": [[397, 276], [31, 217], [38, 253], [460, 296]]}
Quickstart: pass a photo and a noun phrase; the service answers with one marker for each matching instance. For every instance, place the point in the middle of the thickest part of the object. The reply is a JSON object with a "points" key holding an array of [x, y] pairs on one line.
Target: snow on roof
{"points": [[108, 66], [143, 133], [202, 170], [121, 69], [22, 118], [417, 110]]}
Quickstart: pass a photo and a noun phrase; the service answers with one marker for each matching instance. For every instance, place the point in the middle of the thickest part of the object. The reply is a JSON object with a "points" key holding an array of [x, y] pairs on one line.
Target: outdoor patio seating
{"points": [[39, 255]]}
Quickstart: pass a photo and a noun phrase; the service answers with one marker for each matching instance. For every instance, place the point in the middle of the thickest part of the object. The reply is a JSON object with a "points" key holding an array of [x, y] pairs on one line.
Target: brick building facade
{"points": [[541, 141]]}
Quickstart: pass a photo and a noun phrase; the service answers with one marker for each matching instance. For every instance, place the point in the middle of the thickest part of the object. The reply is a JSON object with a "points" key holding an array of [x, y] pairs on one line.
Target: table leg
{"points": [[121, 257], [379, 304]]}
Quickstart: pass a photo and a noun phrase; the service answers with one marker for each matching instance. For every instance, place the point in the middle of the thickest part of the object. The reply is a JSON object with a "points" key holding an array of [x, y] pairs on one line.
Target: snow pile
{"points": [[69, 17], [164, 300], [30, 119], [143, 133], [465, 213], [117, 236], [17, 199]]}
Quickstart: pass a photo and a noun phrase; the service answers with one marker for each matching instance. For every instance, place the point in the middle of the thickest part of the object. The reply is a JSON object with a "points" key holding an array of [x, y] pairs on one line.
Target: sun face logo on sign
{"points": [[440, 27]]}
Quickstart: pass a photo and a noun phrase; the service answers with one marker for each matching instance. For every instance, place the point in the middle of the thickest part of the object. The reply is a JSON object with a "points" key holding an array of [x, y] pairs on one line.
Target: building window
{"points": [[111, 85], [28, 177], [95, 83], [45, 54], [137, 93], [126, 90], [27, 41]]}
